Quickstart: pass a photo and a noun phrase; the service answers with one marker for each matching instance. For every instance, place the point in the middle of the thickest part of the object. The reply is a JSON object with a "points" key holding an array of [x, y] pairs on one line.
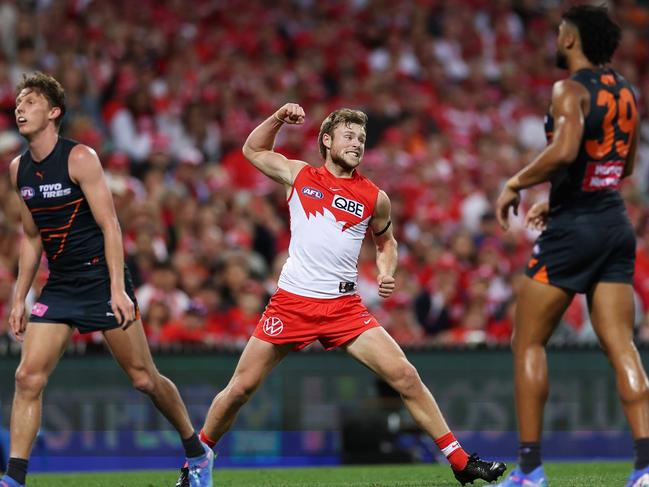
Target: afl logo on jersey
{"points": [[273, 326], [312, 193], [27, 192]]}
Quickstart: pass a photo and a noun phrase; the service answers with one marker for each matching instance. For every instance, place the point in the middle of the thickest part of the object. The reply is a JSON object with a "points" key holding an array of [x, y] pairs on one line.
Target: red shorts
{"points": [[300, 320]]}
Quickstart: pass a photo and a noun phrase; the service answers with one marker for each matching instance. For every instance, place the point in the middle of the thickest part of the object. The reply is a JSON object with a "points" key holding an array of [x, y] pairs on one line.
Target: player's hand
{"points": [[386, 285], [123, 308], [291, 113], [537, 216], [508, 198], [18, 320]]}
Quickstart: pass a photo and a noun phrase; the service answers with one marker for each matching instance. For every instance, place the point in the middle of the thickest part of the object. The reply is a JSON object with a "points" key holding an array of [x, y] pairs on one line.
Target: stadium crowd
{"points": [[455, 93]]}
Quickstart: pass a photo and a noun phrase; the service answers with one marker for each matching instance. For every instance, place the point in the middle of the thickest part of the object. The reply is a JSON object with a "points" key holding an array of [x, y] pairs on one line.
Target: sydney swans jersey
{"points": [[589, 185], [329, 218], [71, 237]]}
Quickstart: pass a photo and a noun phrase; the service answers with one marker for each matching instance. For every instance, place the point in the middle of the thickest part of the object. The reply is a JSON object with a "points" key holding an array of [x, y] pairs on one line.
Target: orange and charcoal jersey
{"points": [[589, 185], [589, 237], [72, 240]]}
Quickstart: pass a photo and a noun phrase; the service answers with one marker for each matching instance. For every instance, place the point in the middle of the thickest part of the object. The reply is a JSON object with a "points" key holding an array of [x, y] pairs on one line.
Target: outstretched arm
{"points": [[386, 245], [85, 169], [31, 249], [258, 148], [567, 100]]}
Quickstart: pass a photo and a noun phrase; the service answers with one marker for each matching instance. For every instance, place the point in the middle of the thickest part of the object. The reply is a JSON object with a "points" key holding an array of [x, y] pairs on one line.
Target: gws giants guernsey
{"points": [[329, 218], [71, 238]]}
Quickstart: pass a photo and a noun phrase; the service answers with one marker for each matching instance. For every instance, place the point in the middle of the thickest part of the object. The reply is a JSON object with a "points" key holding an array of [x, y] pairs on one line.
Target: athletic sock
{"points": [[206, 439], [453, 451], [529, 456], [193, 447], [641, 447], [17, 469]]}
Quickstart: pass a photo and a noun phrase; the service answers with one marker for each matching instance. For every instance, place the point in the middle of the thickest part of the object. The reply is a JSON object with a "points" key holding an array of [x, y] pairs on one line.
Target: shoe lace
{"points": [[474, 458]]}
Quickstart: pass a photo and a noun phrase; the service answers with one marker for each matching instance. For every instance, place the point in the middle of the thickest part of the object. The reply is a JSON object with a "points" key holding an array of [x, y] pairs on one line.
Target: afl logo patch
{"points": [[312, 193], [273, 326], [27, 192]]}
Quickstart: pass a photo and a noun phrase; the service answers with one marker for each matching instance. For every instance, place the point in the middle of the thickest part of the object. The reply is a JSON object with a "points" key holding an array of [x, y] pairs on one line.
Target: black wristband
{"points": [[384, 230]]}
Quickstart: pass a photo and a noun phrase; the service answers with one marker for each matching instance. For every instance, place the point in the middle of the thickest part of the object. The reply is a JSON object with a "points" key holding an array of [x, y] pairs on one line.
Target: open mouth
{"points": [[21, 120]]}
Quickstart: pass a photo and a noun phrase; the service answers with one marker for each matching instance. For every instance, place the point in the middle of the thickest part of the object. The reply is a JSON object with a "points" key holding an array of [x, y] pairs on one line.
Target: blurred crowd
{"points": [[167, 92]]}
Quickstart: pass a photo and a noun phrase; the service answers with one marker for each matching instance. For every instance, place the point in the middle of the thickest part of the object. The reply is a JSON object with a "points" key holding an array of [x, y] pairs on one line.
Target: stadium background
{"points": [[166, 92]]}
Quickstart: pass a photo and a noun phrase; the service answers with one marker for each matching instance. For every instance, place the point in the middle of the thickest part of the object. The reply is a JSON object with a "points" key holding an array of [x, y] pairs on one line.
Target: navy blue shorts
{"points": [[80, 299], [578, 256]]}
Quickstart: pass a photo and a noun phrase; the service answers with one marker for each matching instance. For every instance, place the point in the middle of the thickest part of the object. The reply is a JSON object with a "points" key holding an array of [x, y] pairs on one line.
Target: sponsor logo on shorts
{"points": [[27, 192], [273, 326], [312, 193], [39, 309]]}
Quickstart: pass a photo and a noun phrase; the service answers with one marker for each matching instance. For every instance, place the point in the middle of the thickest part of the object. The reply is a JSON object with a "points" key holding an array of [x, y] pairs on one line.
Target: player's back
{"points": [[588, 187], [71, 237]]}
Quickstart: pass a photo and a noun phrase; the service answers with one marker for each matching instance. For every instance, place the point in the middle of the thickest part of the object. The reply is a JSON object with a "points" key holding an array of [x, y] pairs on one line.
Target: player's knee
{"points": [[406, 379], [240, 391], [144, 381], [30, 381], [520, 344]]}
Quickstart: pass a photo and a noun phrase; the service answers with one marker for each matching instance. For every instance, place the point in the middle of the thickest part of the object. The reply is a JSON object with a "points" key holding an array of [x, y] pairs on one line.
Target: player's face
{"points": [[347, 145], [33, 112], [561, 60]]}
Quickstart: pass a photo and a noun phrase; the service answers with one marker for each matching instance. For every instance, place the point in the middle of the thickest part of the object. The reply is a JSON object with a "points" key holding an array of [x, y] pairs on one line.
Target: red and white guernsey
{"points": [[329, 218]]}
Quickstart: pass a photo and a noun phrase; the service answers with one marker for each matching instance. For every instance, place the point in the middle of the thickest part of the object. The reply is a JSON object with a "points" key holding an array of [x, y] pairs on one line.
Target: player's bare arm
{"points": [[258, 148], [85, 170], [568, 101], [31, 249], [386, 245]]}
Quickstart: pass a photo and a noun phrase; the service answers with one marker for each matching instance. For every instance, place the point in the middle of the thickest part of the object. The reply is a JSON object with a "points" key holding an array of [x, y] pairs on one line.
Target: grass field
{"points": [[605, 474]]}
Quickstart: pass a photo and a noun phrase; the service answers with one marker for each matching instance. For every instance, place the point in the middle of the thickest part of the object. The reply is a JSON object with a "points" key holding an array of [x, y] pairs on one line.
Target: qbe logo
{"points": [[312, 193], [273, 326], [27, 192], [350, 206]]}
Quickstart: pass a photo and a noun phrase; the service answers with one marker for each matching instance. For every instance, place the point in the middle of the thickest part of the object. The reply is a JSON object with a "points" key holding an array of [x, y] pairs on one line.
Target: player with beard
{"points": [[588, 243], [331, 209]]}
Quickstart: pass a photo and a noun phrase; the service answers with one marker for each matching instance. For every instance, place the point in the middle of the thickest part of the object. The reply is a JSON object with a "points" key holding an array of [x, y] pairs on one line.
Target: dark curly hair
{"points": [[47, 86], [599, 35]]}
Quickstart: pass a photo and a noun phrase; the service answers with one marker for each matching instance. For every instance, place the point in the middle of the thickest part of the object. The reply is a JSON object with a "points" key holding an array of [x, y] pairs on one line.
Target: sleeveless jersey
{"points": [[71, 237], [329, 218], [589, 185]]}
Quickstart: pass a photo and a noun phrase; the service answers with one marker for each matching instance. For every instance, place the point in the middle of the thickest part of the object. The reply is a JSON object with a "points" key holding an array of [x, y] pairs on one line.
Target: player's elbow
{"points": [[565, 152], [250, 153], [387, 246], [247, 152]]}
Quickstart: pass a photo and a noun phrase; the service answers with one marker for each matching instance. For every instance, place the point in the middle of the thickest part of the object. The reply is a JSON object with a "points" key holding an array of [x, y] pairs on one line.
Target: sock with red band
{"points": [[453, 451], [206, 439]]}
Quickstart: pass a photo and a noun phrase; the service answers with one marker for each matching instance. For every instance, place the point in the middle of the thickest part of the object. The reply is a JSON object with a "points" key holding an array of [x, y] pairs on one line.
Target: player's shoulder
{"points": [[568, 86], [81, 154], [364, 180], [569, 89], [14, 165]]}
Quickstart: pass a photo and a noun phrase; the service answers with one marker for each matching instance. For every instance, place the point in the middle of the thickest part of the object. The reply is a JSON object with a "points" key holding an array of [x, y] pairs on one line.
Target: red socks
{"points": [[451, 449], [206, 439]]}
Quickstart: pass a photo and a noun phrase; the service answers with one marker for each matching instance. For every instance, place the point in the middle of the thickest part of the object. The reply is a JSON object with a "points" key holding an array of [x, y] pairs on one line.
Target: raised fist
{"points": [[290, 113]]}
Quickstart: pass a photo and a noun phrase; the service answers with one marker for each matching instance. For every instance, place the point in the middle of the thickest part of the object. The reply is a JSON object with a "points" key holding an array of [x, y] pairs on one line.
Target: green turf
{"points": [[605, 474]]}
